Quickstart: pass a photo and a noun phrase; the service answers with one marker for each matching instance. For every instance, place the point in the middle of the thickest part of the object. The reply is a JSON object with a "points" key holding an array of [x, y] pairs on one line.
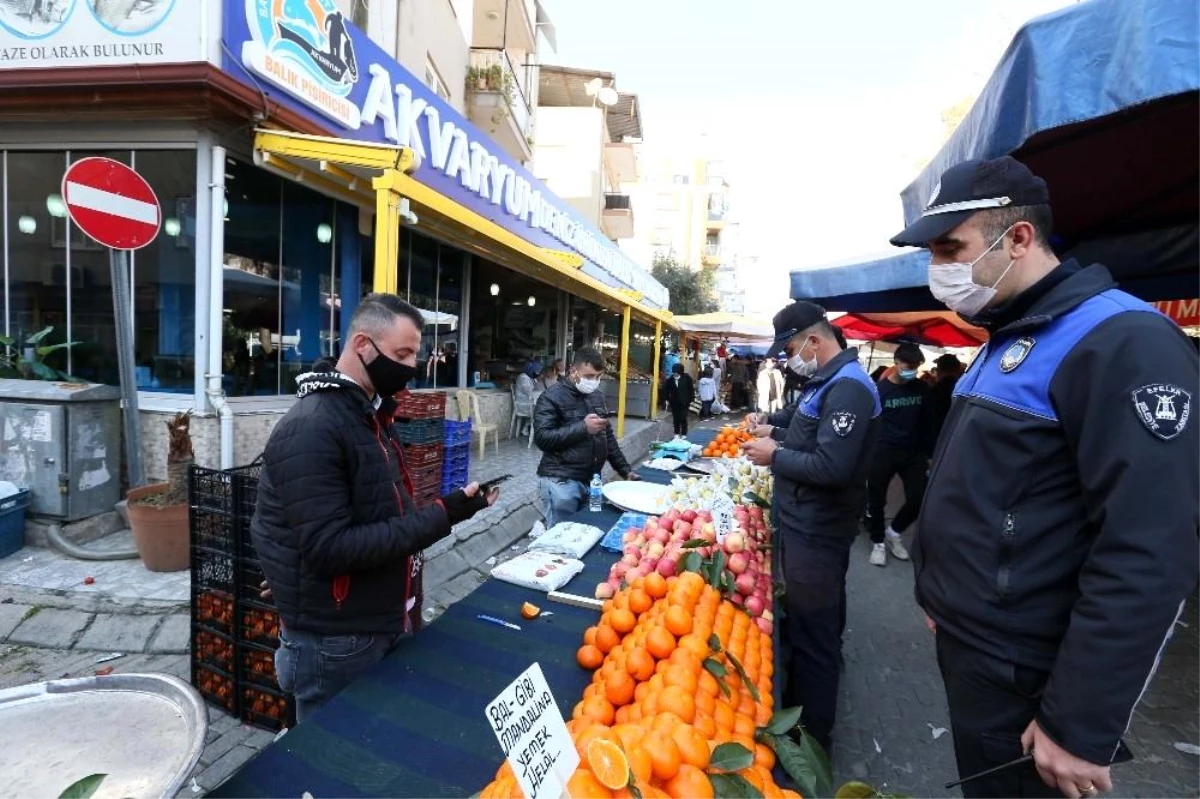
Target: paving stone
{"points": [[225, 767], [174, 635], [51, 628], [442, 568], [225, 743], [442, 546], [10, 617], [119, 632], [455, 590]]}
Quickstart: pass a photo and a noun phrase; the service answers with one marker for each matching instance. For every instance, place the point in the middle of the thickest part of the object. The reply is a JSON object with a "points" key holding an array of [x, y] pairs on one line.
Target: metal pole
{"points": [[623, 385], [119, 263]]}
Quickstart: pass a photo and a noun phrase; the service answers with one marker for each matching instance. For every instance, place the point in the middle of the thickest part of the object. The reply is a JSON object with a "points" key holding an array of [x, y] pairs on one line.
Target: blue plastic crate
{"points": [[457, 433], [12, 522], [628, 520]]}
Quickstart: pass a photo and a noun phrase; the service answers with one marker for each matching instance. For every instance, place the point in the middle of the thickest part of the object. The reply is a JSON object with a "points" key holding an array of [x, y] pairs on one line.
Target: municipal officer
{"points": [[819, 451], [1057, 541]]}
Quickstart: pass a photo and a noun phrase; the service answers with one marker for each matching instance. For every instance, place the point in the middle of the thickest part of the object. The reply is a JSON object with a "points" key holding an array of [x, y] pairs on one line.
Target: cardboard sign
{"points": [[722, 512], [530, 729]]}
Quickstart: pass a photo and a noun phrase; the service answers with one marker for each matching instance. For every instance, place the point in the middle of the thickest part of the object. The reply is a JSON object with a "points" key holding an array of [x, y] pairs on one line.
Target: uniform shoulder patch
{"points": [[1016, 353], [1163, 408], [843, 422]]}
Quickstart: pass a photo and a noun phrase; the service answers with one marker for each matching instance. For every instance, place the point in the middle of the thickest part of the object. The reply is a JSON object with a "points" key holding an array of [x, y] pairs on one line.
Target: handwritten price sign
{"points": [[530, 729], [722, 513]]}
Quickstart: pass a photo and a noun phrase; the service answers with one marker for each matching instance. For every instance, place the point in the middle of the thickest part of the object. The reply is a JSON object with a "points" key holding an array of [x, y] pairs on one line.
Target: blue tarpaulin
{"points": [[1100, 99]]}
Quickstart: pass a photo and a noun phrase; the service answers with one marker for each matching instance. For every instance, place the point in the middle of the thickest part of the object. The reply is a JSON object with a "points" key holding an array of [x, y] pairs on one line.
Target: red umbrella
{"points": [[932, 329]]}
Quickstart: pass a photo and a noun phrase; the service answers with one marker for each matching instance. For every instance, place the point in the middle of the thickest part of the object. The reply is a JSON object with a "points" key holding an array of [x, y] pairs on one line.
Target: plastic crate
{"points": [[267, 708], [456, 457], [250, 580], [423, 405], [216, 686], [427, 496], [258, 623], [423, 456], [212, 648], [457, 433], [425, 431], [454, 478], [231, 493], [12, 522], [214, 608], [256, 666]]}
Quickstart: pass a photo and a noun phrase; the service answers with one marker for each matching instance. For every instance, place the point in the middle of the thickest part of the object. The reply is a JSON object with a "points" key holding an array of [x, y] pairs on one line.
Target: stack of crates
{"points": [[458, 455], [234, 632], [420, 427]]}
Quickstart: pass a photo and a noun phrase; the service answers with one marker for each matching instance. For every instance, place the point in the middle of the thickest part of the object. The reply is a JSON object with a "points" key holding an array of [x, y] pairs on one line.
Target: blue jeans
{"points": [[313, 668], [561, 498]]}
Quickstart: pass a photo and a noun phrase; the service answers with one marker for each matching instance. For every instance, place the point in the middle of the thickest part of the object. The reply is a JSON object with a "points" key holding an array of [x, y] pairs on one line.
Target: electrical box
{"points": [[62, 441]]}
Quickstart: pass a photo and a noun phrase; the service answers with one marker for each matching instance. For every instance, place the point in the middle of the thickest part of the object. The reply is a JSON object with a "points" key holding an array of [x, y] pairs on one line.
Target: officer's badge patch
{"points": [[1016, 354], [843, 422], [1164, 409]]}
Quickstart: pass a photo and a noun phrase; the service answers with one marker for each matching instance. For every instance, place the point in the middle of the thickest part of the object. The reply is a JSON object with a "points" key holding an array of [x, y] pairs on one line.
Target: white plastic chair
{"points": [[468, 408]]}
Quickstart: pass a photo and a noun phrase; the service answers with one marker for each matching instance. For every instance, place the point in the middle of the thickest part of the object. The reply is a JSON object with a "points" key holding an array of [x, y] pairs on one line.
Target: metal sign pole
{"points": [[119, 263]]}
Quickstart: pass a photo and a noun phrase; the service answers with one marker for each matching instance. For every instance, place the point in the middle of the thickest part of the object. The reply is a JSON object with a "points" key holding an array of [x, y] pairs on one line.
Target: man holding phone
{"points": [[571, 428]]}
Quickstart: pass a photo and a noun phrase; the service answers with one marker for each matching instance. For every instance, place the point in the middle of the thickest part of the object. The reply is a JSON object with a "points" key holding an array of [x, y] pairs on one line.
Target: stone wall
{"points": [[495, 406], [250, 433]]}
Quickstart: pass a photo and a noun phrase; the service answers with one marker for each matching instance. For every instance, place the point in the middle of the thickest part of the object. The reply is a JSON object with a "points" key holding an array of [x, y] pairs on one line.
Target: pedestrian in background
{"points": [[678, 392], [707, 389]]}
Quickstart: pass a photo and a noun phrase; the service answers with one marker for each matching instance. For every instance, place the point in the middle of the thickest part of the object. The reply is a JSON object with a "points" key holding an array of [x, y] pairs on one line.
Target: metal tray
{"points": [[145, 731], [701, 465]]}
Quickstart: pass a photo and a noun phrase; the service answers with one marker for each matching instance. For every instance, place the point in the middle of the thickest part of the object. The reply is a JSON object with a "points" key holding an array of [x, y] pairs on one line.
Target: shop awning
{"points": [[357, 171], [726, 325], [932, 329]]}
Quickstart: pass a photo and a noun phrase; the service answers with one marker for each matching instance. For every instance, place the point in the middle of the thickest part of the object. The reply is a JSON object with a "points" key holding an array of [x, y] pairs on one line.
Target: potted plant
{"points": [[476, 79], [26, 359], [158, 513]]}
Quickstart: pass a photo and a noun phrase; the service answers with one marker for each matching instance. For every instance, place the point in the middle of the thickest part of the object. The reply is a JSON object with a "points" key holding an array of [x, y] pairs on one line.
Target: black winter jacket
{"points": [[335, 527], [827, 442], [679, 395], [1059, 528], [569, 452]]}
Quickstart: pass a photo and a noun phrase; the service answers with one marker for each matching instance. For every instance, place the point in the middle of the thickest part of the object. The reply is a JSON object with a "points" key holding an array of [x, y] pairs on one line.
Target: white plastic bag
{"points": [[569, 539], [539, 571]]}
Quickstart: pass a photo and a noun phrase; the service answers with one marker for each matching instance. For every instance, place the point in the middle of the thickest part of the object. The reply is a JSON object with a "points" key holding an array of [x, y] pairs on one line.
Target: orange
{"points": [[618, 689], [589, 657], [683, 677], [689, 783], [764, 756], [705, 725], [589, 734], [639, 601], [678, 621], [655, 585], [530, 610], [664, 755], [640, 665], [659, 643], [695, 644], [589, 635], [706, 703], [746, 706], [640, 763], [742, 725], [674, 699], [724, 715], [666, 722], [708, 683], [628, 735], [642, 689], [583, 783], [693, 747], [622, 715], [623, 620], [608, 763], [599, 709], [606, 638], [687, 659]]}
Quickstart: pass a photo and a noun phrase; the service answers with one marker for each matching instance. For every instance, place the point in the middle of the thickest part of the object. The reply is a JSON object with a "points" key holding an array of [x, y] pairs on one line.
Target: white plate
{"points": [[664, 464], [637, 496]]}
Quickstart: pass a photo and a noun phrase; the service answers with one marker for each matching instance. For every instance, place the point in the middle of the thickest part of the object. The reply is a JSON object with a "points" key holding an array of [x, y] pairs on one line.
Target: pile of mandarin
{"points": [[654, 713], [729, 442]]}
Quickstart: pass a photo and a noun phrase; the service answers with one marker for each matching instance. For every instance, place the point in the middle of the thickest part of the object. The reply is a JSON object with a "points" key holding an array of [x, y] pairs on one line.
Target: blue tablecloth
{"points": [[414, 725]]}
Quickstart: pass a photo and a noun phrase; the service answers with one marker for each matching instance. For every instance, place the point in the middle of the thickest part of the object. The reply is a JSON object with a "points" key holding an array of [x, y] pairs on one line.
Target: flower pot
{"points": [[160, 533]]}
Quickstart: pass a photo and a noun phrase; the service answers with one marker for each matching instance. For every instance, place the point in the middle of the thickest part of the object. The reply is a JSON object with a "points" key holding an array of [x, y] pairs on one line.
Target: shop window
{"points": [[514, 322], [433, 274], [59, 278]]}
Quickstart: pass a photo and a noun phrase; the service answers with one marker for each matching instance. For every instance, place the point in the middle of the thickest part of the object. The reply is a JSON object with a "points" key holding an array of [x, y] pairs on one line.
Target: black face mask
{"points": [[389, 376]]}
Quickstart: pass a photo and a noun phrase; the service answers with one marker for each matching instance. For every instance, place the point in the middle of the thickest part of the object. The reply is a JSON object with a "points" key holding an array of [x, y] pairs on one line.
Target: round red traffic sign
{"points": [[111, 203]]}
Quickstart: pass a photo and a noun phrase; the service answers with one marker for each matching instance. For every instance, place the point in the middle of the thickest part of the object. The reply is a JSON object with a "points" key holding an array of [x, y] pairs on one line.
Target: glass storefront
{"points": [[58, 278], [514, 320]]}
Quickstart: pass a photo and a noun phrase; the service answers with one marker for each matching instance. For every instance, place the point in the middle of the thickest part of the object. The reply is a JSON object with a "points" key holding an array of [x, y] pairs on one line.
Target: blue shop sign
{"points": [[331, 72]]}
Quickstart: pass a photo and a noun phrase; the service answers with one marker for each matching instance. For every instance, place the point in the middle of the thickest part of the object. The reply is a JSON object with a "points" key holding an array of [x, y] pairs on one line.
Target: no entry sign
{"points": [[111, 203]]}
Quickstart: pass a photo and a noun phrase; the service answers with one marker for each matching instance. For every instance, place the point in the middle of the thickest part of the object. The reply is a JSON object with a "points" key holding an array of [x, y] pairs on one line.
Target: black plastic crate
{"points": [[212, 648], [258, 623], [250, 580], [267, 708], [256, 666], [216, 686], [214, 608]]}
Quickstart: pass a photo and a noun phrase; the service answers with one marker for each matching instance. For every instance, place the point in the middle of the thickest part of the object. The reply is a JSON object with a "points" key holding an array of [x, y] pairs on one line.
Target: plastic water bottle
{"points": [[594, 497]]}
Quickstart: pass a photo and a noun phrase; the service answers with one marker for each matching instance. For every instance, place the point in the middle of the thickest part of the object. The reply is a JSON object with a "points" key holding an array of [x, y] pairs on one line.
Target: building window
{"points": [[665, 201], [433, 80], [60, 279]]}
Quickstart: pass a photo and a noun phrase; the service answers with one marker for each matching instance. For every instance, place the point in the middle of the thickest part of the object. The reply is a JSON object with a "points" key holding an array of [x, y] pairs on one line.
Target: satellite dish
{"points": [[607, 96], [593, 87]]}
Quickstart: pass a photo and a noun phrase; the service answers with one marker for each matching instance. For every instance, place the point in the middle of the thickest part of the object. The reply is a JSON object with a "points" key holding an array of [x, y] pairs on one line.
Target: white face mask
{"points": [[954, 284], [802, 367], [587, 385]]}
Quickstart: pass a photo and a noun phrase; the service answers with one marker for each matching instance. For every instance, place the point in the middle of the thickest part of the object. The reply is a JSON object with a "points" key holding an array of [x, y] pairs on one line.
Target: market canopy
{"points": [[726, 325], [932, 329]]}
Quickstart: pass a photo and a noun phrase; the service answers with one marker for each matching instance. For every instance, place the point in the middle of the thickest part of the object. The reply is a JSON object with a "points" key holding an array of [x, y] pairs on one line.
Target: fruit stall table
{"points": [[414, 725]]}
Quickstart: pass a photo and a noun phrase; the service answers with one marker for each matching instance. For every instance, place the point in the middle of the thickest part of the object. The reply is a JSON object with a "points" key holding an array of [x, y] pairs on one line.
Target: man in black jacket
{"points": [[941, 395], [1057, 542], [678, 393], [570, 427], [335, 527], [819, 451]]}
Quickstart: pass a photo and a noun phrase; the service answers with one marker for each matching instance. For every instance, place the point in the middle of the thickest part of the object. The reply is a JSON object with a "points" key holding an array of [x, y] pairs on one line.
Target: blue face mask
{"points": [[907, 374]]}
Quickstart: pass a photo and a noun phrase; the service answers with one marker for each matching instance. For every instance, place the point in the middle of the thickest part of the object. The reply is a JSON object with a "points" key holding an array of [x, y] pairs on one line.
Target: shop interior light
{"points": [[172, 226], [532, 300], [27, 225], [495, 289], [56, 206], [324, 233]]}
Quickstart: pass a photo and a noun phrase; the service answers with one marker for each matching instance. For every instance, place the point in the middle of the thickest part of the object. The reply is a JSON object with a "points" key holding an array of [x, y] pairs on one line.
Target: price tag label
{"points": [[722, 512], [530, 729]]}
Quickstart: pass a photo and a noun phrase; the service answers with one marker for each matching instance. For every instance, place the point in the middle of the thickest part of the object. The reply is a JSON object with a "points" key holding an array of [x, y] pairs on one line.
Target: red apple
{"points": [[764, 625], [605, 591], [744, 584], [688, 516], [737, 599], [667, 566], [738, 563], [734, 543], [755, 605], [661, 536], [683, 527]]}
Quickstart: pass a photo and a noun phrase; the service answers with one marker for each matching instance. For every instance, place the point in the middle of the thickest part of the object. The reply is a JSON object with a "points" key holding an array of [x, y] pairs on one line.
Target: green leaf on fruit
{"points": [[784, 721], [733, 786], [746, 681], [731, 757], [84, 788], [690, 562], [718, 570], [695, 543], [714, 643], [750, 496], [856, 790], [715, 667]]}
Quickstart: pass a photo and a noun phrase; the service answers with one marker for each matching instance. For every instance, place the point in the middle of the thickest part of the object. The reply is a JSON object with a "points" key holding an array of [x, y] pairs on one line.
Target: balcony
{"points": [[497, 101], [617, 219], [506, 23], [620, 159], [711, 256]]}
